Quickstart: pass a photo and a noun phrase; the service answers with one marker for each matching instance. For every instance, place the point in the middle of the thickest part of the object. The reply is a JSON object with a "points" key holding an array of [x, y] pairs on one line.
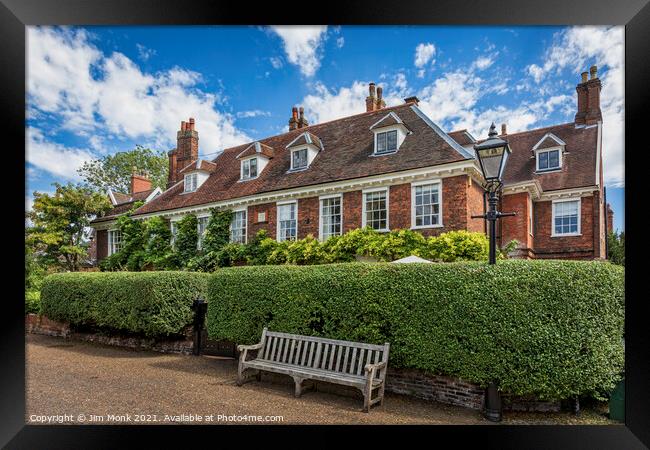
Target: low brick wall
{"points": [[37, 324], [447, 390]]}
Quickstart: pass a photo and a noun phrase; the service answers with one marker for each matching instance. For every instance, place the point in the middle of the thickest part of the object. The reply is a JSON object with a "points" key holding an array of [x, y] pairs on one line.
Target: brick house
{"points": [[393, 168]]}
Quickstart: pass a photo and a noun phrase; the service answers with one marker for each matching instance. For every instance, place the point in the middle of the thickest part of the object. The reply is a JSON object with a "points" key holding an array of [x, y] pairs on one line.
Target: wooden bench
{"points": [[355, 364]]}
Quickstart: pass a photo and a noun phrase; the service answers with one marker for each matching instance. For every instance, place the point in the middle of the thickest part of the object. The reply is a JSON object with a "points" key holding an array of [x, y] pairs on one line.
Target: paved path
{"points": [[66, 377]]}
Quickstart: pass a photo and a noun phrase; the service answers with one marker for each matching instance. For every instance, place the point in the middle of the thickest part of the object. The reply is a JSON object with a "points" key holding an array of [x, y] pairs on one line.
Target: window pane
{"points": [[554, 159], [381, 142], [300, 159], [253, 171], [543, 160], [287, 222], [376, 212], [238, 227], [566, 217], [427, 207], [330, 217], [392, 141]]}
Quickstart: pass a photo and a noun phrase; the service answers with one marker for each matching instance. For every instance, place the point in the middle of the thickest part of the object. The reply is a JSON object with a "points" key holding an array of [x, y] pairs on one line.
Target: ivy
{"points": [[187, 236]]}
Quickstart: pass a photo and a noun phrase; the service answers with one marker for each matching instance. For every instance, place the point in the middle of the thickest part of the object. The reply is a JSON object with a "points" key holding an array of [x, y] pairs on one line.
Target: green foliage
{"points": [[258, 253], [186, 239], [114, 171], [217, 236], [59, 224], [132, 255], [458, 246], [552, 329], [32, 302], [158, 253], [149, 303], [616, 248]]}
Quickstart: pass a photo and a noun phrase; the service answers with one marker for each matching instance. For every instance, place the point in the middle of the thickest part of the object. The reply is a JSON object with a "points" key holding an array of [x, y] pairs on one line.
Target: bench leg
{"points": [[258, 375], [381, 394], [298, 382]]}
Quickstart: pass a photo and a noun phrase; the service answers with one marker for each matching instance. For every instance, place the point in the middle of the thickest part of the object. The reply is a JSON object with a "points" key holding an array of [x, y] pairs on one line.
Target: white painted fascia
{"points": [[532, 187], [559, 141], [111, 196], [156, 192], [574, 193]]}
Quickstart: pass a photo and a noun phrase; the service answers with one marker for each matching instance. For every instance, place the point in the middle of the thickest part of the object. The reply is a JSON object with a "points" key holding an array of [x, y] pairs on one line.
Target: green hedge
{"points": [[547, 328], [149, 303]]}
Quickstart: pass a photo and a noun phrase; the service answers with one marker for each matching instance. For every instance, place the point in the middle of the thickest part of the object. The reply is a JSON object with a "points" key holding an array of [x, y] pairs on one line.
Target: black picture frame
{"points": [[633, 14]]}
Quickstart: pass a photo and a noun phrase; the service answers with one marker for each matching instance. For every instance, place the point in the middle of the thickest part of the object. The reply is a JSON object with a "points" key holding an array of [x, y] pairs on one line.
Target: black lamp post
{"points": [[493, 155]]}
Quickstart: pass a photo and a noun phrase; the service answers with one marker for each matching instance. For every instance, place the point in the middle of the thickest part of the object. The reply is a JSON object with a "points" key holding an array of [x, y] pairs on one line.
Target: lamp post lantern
{"points": [[493, 155]]}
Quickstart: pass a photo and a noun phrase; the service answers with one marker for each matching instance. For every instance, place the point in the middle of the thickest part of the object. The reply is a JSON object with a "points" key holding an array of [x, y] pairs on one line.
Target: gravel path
{"points": [[66, 379]]}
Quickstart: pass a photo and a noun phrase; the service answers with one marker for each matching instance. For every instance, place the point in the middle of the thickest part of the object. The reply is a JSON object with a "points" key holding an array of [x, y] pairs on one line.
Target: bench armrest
{"points": [[249, 347], [376, 366]]}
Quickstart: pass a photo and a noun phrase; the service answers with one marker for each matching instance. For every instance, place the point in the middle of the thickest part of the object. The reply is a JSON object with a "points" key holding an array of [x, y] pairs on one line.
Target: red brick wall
{"points": [[569, 247], [269, 224], [399, 207], [308, 214], [475, 207], [139, 184], [101, 237], [516, 227], [351, 210]]}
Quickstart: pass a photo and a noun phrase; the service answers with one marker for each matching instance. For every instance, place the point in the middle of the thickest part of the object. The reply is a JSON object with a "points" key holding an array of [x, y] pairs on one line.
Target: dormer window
{"points": [[299, 159], [548, 153], [386, 142], [304, 150], [548, 160], [191, 182], [249, 169], [390, 132]]}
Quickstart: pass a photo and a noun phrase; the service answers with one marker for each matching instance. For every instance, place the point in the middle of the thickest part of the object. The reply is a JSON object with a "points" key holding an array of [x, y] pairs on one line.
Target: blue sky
{"points": [[99, 90]]}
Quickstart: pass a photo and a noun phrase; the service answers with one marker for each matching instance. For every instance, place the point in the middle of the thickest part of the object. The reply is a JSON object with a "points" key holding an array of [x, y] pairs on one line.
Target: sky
{"points": [[95, 91]]}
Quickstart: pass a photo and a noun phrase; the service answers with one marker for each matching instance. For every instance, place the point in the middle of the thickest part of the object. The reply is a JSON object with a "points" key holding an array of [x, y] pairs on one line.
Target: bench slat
{"points": [[319, 346], [337, 367], [334, 350], [352, 360], [326, 340]]}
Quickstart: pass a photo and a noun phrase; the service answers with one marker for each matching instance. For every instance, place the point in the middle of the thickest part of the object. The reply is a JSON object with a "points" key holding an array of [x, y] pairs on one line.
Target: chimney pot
{"points": [[503, 129], [379, 92], [593, 70], [584, 77], [412, 99]]}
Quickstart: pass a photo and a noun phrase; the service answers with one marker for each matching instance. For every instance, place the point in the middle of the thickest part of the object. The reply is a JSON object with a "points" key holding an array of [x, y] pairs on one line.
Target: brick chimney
{"points": [[374, 100], [589, 98], [412, 99], [610, 218], [139, 182], [293, 122], [503, 129], [186, 151], [302, 122]]}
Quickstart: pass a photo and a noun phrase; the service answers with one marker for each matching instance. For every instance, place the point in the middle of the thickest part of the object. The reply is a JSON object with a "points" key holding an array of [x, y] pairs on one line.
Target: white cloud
{"points": [[253, 113], [145, 53], [54, 158], [483, 62], [423, 54], [340, 42], [97, 93], [302, 44], [323, 105], [276, 62]]}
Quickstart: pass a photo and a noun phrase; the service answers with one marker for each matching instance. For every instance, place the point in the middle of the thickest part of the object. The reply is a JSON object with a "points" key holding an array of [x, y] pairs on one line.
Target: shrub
{"points": [[149, 303], [616, 247], [458, 246], [552, 329], [217, 236], [32, 302], [186, 240], [158, 251]]}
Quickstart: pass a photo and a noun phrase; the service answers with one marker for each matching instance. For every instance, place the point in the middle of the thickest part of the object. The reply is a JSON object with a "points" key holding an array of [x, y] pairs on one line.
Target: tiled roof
{"points": [[462, 137], [257, 148], [121, 198], [199, 164], [348, 148], [125, 203], [306, 138], [578, 160]]}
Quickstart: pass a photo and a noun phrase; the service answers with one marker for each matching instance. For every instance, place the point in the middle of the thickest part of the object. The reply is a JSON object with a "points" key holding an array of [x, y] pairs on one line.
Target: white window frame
{"points": [[414, 185], [191, 176], [243, 163], [320, 214], [303, 149], [111, 243], [554, 202], [546, 150], [199, 241], [386, 152], [173, 224], [278, 205], [245, 211], [531, 222], [363, 206]]}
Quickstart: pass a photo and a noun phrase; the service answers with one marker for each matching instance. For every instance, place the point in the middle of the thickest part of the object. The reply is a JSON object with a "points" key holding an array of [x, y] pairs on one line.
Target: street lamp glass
{"points": [[492, 155]]}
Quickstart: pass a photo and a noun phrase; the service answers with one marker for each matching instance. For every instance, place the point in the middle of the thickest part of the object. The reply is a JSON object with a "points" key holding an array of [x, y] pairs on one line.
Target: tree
{"points": [[59, 229], [114, 171], [616, 247]]}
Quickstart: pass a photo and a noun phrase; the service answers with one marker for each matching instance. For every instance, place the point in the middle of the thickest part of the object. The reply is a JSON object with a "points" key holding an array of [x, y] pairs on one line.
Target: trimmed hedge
{"points": [[552, 329], [149, 303]]}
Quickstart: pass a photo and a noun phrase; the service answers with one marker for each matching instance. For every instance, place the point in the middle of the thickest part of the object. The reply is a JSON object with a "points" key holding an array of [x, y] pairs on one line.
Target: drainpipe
{"points": [[605, 215]]}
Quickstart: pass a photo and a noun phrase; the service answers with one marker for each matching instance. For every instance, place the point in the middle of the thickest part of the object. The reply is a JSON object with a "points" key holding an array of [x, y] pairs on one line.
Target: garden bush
{"points": [[32, 302], [552, 329], [149, 303]]}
